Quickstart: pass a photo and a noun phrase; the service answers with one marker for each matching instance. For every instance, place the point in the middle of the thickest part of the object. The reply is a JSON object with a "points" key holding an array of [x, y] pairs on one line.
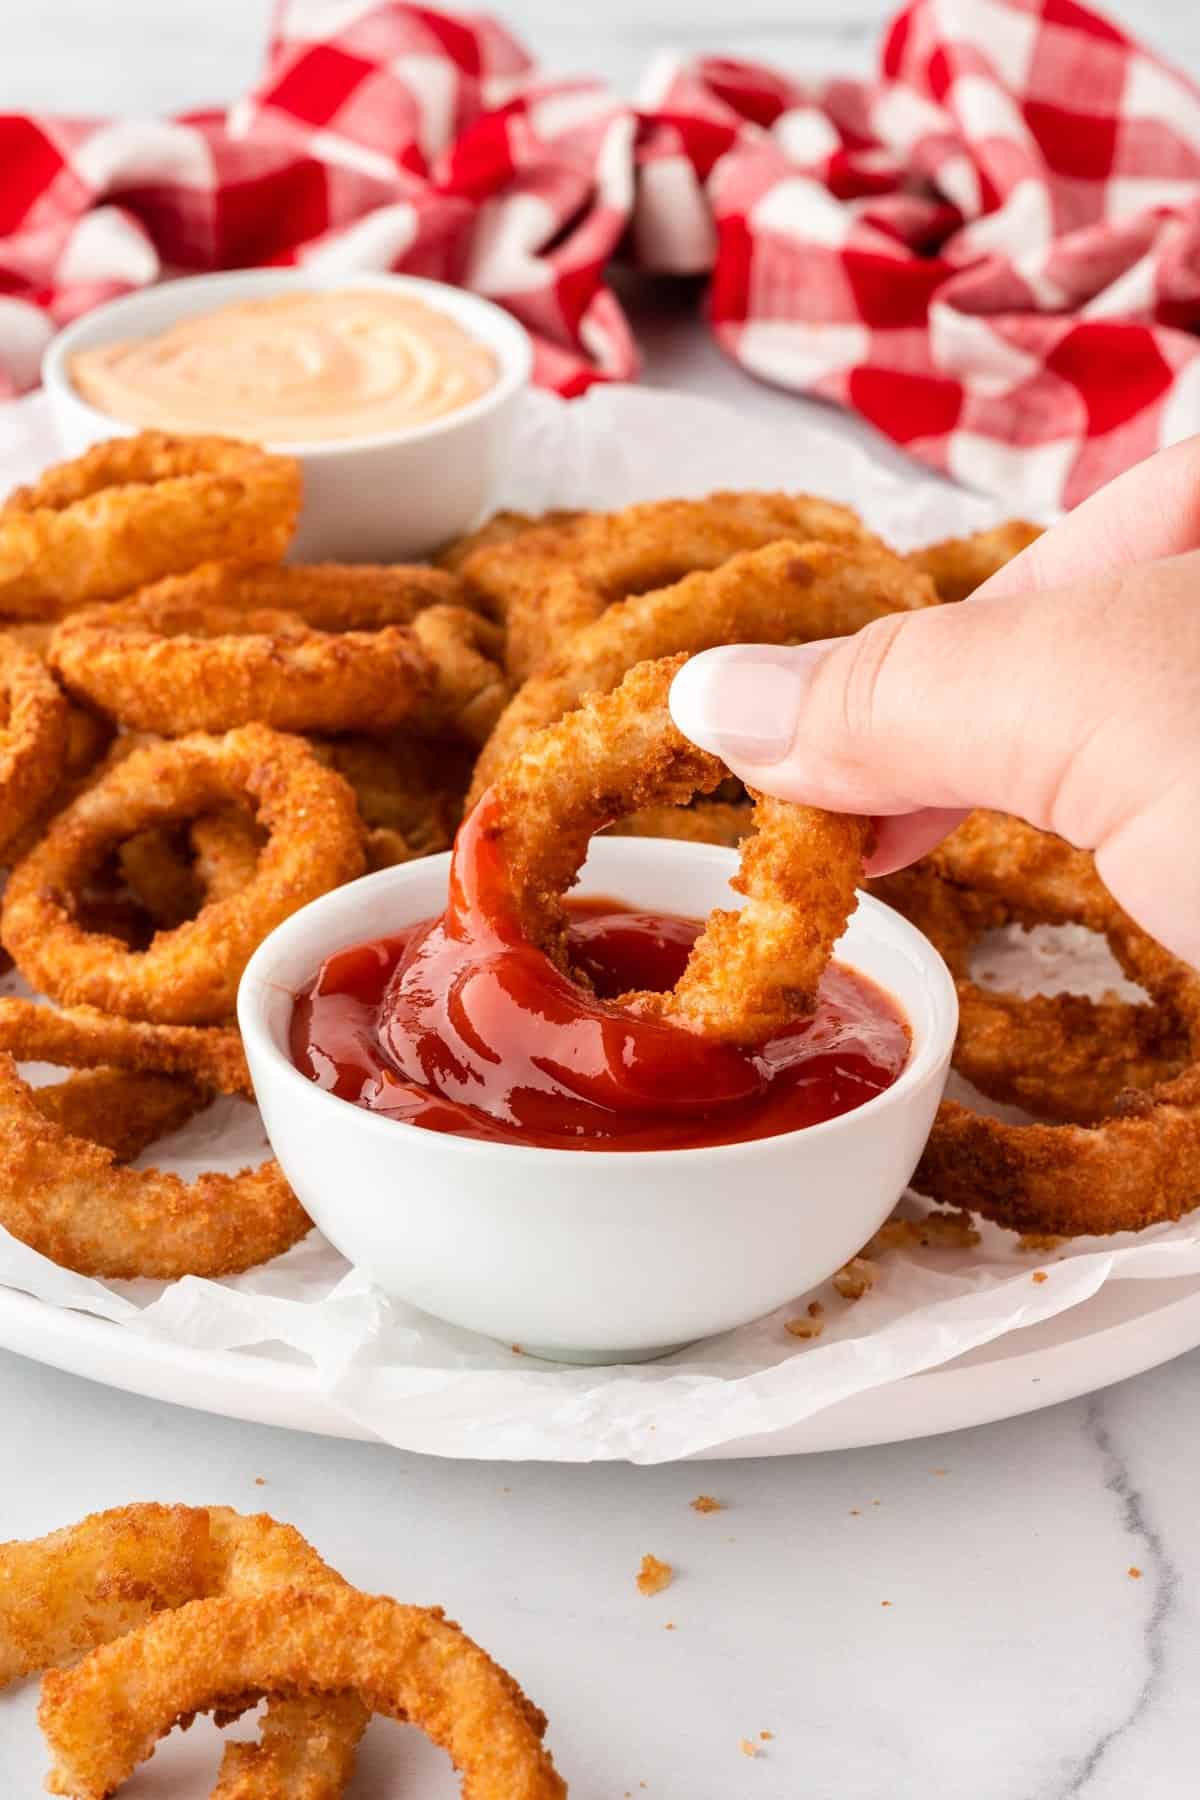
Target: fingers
{"points": [[1151, 511]]}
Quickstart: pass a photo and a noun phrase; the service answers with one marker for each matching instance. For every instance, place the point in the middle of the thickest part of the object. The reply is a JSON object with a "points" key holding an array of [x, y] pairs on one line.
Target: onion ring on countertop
{"points": [[104, 1717], [548, 582], [787, 593], [749, 972], [324, 648], [134, 509], [187, 976], [957, 566], [75, 1589], [33, 739]]}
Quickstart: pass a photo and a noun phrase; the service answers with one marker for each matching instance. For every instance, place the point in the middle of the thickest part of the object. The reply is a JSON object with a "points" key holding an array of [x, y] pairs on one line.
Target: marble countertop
{"points": [[1010, 1613]]}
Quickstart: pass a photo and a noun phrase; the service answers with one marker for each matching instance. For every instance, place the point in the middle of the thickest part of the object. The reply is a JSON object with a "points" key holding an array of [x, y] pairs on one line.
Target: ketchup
{"points": [[459, 1024]]}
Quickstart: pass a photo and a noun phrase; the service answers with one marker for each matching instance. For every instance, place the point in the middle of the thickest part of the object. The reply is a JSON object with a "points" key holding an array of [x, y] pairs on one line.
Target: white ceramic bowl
{"points": [[609, 1256], [373, 499]]}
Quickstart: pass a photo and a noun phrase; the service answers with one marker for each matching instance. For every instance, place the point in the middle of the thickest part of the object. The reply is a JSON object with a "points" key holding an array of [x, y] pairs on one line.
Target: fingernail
{"points": [[743, 702]]}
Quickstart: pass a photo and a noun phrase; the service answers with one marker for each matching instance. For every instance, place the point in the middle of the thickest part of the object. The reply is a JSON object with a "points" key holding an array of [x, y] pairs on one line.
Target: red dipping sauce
{"points": [[459, 1025]]}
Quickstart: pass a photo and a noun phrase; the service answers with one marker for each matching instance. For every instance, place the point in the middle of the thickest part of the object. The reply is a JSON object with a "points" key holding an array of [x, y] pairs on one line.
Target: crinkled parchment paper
{"points": [[427, 1386]]}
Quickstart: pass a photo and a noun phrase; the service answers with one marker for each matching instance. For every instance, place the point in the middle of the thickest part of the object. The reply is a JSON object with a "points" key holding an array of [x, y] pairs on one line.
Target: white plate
{"points": [[1127, 1327]]}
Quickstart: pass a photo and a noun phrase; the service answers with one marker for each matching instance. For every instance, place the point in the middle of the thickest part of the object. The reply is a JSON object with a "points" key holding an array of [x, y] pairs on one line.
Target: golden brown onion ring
{"points": [[104, 1717], [501, 528], [724, 822], [33, 739], [122, 1110], [187, 976], [957, 566], [84, 1038], [788, 593], [548, 583], [134, 509], [749, 972], [73, 1590], [324, 648]]}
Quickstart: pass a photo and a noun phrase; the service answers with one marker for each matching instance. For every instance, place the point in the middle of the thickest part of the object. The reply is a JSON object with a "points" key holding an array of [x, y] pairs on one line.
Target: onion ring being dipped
{"points": [[546, 583], [724, 822], [787, 593], [324, 649], [749, 971], [187, 976], [75, 1589], [33, 739], [957, 566], [104, 1717], [134, 509]]}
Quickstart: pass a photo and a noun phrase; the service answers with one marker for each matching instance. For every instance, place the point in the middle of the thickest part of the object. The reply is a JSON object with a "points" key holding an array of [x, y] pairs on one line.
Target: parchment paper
{"points": [[427, 1386]]}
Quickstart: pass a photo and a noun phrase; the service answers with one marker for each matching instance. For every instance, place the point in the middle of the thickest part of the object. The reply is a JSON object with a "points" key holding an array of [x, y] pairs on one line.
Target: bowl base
{"points": [[598, 1359]]}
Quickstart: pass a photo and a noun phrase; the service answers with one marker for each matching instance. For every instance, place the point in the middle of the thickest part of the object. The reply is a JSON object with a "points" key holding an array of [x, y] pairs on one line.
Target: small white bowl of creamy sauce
{"points": [[395, 394]]}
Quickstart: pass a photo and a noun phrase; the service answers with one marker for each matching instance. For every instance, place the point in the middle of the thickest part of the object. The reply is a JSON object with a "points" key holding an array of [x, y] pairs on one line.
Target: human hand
{"points": [[1066, 691]]}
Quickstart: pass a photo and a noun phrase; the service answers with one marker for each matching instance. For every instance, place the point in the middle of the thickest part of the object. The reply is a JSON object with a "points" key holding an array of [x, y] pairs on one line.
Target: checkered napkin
{"points": [[992, 251]]}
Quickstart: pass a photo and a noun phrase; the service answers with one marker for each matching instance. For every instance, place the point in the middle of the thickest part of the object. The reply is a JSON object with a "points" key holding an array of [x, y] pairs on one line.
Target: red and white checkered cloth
{"points": [[992, 251]]}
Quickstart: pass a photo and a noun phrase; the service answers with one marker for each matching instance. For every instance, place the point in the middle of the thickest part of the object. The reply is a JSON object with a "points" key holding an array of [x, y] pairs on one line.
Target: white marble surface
{"points": [[1018, 1659]]}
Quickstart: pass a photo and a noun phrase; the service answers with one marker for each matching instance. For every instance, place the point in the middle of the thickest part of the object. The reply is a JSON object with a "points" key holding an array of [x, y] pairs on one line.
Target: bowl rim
{"points": [[924, 1058], [498, 330]]}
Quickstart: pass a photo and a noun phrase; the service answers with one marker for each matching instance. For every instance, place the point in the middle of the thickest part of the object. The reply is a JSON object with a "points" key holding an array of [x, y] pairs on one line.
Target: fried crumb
{"points": [[952, 1230], [1134, 1573], [749, 1747], [857, 1278], [1039, 1275], [856, 1512], [704, 1503], [939, 1471], [654, 1576], [1034, 1241], [516, 1349], [814, 1309], [766, 1736], [885, 1603], [804, 1328], [260, 1481], [670, 1625], [877, 1503]]}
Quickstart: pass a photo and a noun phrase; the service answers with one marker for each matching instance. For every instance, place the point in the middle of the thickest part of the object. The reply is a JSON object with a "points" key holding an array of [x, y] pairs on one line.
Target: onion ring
{"points": [[501, 528], [33, 739], [549, 582], [749, 972], [724, 822], [957, 566], [134, 509], [122, 1110], [187, 976], [73, 1590], [69, 1200], [786, 593], [298, 648], [1137, 1165], [104, 1717], [83, 1038]]}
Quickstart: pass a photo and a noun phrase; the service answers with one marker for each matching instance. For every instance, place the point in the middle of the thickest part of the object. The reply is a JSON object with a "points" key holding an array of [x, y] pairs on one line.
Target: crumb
{"points": [[670, 1625], [935, 1231], [877, 1503], [1033, 1241], [939, 1471], [814, 1309], [885, 1603], [1039, 1275], [1134, 1573], [857, 1278], [766, 1736], [855, 1512], [516, 1349], [748, 1747], [260, 1481], [804, 1328], [654, 1576], [704, 1503], [506, 1490]]}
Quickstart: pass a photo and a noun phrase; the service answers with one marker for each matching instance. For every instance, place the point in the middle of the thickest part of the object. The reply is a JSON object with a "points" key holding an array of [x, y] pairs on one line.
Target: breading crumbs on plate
{"points": [[1134, 1573], [260, 1481], [804, 1328], [1039, 1275], [935, 1231], [749, 1747], [1033, 1241], [814, 1309], [766, 1736], [857, 1278], [704, 1503], [654, 1576]]}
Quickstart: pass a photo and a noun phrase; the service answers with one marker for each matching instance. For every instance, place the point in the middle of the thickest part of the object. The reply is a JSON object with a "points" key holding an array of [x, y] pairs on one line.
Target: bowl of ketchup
{"points": [[507, 1148]]}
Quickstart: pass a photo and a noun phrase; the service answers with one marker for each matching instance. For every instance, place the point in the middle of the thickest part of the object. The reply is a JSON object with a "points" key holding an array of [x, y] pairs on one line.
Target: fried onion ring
{"points": [[83, 1038], [69, 1200], [302, 649], [501, 528], [33, 739], [749, 972], [957, 566], [786, 593], [410, 1663], [135, 509], [724, 822], [1137, 1165], [122, 1110], [408, 788], [75, 1589], [187, 976], [549, 582]]}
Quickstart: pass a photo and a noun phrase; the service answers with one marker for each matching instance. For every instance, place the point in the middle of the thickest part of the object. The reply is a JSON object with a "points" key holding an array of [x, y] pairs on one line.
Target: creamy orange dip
{"points": [[293, 369]]}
